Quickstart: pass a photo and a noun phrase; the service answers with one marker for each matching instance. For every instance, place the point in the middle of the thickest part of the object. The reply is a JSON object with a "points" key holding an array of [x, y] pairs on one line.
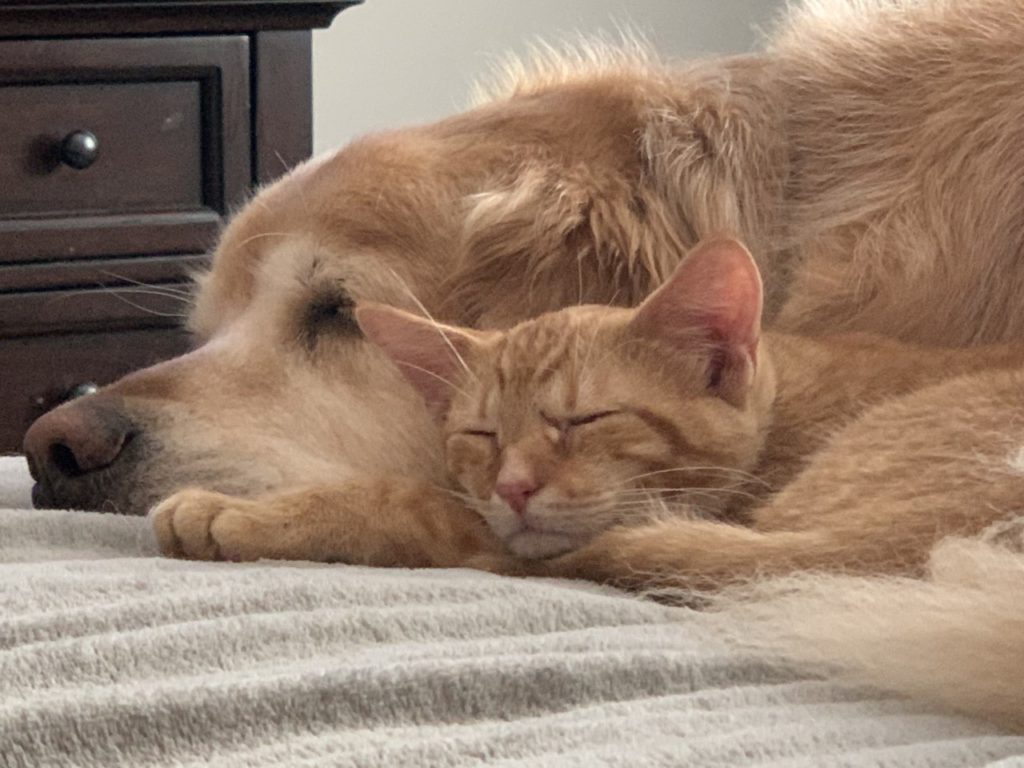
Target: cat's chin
{"points": [[533, 545]]}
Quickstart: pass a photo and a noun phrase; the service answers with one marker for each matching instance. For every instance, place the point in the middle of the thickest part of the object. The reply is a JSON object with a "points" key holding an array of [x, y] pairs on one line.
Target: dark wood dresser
{"points": [[128, 131]]}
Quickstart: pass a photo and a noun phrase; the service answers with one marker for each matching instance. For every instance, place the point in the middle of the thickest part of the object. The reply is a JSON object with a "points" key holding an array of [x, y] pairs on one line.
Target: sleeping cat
{"points": [[595, 418]]}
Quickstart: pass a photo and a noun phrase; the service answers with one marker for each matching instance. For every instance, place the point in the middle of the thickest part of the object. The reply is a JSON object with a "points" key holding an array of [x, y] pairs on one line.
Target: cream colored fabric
{"points": [[111, 656]]}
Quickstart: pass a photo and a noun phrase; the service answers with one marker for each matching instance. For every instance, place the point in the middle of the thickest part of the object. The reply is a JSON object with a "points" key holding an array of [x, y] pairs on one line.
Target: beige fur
{"points": [[880, 162], [581, 421], [952, 640], [871, 158], [876, 499], [872, 166]]}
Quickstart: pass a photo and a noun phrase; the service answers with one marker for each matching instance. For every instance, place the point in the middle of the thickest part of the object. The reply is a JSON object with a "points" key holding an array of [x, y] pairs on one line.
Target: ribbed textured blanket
{"points": [[112, 656]]}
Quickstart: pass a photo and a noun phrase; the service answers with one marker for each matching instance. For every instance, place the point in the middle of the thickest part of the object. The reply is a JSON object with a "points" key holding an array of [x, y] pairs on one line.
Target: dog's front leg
{"points": [[380, 522]]}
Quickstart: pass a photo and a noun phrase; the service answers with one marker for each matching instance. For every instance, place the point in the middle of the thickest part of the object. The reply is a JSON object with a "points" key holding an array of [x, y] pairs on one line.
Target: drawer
{"points": [[171, 123], [101, 148], [150, 272], [95, 294], [39, 373], [84, 309]]}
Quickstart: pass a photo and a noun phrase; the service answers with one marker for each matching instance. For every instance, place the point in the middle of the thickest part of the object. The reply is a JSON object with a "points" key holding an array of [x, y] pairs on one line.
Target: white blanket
{"points": [[111, 656]]}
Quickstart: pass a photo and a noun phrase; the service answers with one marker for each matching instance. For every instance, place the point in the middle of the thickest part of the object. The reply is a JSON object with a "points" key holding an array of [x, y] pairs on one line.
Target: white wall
{"points": [[393, 62]]}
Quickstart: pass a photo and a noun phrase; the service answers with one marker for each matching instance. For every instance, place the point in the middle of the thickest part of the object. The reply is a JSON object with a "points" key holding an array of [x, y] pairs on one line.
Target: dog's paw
{"points": [[203, 525]]}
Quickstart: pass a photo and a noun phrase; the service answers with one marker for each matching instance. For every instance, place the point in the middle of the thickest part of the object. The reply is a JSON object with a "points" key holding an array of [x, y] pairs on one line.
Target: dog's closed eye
{"points": [[330, 312]]}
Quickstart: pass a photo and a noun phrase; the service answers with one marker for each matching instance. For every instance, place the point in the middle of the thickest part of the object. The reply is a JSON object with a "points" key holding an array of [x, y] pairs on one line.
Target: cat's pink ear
{"points": [[714, 298], [429, 354]]}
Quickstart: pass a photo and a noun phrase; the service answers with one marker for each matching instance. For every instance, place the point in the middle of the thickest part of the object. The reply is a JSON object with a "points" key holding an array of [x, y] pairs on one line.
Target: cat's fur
{"points": [[580, 421]]}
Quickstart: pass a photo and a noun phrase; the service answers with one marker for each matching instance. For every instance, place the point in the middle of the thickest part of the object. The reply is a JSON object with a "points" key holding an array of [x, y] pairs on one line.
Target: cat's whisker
{"points": [[649, 504], [468, 498], [685, 489], [472, 502], [579, 278], [141, 290], [702, 469], [437, 326], [437, 376], [642, 503]]}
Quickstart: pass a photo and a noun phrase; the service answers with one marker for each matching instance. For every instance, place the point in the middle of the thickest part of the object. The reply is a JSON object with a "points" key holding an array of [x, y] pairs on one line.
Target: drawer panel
{"points": [[149, 272], [147, 154], [171, 117], [73, 237], [116, 307], [39, 373]]}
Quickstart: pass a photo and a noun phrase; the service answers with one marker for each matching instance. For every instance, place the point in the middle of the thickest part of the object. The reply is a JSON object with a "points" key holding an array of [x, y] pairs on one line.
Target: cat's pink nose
{"points": [[517, 492], [517, 480]]}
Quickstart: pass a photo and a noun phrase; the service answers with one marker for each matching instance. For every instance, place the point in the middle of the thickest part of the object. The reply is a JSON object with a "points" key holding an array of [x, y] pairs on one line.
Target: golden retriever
{"points": [[871, 158]]}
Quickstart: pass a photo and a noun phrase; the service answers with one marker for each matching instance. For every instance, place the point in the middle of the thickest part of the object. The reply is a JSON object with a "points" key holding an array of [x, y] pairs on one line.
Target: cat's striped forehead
{"points": [[547, 357], [563, 344], [578, 358]]}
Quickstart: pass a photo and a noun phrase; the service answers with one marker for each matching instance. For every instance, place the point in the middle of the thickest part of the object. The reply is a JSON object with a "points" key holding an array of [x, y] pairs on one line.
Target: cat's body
{"points": [[940, 461], [825, 383], [619, 438]]}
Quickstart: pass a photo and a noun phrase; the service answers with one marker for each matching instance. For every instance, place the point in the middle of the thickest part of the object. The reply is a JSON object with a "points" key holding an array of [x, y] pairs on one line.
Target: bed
{"points": [[111, 655]]}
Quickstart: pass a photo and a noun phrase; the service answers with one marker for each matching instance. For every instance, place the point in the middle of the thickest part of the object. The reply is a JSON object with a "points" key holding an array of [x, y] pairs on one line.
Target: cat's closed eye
{"points": [[489, 434], [580, 420], [589, 418]]}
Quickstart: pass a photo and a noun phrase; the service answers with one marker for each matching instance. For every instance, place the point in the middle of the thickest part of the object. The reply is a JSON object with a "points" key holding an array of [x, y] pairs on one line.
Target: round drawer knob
{"points": [[81, 390], [79, 150]]}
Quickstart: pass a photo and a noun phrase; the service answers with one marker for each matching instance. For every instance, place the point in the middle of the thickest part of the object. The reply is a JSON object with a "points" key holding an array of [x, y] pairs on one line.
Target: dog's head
{"points": [[562, 192]]}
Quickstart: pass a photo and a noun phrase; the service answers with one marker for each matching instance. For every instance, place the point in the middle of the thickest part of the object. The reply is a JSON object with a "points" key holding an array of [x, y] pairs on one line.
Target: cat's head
{"points": [[581, 419]]}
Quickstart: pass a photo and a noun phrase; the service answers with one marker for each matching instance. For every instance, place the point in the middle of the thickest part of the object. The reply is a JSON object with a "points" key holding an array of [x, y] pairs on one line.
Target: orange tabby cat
{"points": [[583, 420]]}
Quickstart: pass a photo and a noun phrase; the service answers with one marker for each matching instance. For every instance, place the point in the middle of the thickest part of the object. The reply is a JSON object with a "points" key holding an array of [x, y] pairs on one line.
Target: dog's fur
{"points": [[872, 158]]}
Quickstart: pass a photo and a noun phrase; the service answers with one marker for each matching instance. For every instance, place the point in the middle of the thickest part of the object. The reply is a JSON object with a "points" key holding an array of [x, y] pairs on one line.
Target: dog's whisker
{"points": [[169, 289], [184, 298], [262, 235], [119, 295]]}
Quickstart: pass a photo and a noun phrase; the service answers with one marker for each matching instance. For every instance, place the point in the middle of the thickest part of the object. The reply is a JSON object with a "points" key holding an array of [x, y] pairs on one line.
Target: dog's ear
{"points": [[709, 159], [432, 356], [602, 235], [712, 301], [551, 237]]}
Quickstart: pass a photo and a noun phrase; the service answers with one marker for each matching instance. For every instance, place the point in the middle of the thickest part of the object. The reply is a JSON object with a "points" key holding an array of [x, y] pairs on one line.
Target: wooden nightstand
{"points": [[128, 131]]}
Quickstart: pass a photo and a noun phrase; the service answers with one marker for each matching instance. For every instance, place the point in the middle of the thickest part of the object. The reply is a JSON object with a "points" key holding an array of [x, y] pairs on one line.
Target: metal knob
{"points": [[81, 390], [79, 150], [50, 400]]}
